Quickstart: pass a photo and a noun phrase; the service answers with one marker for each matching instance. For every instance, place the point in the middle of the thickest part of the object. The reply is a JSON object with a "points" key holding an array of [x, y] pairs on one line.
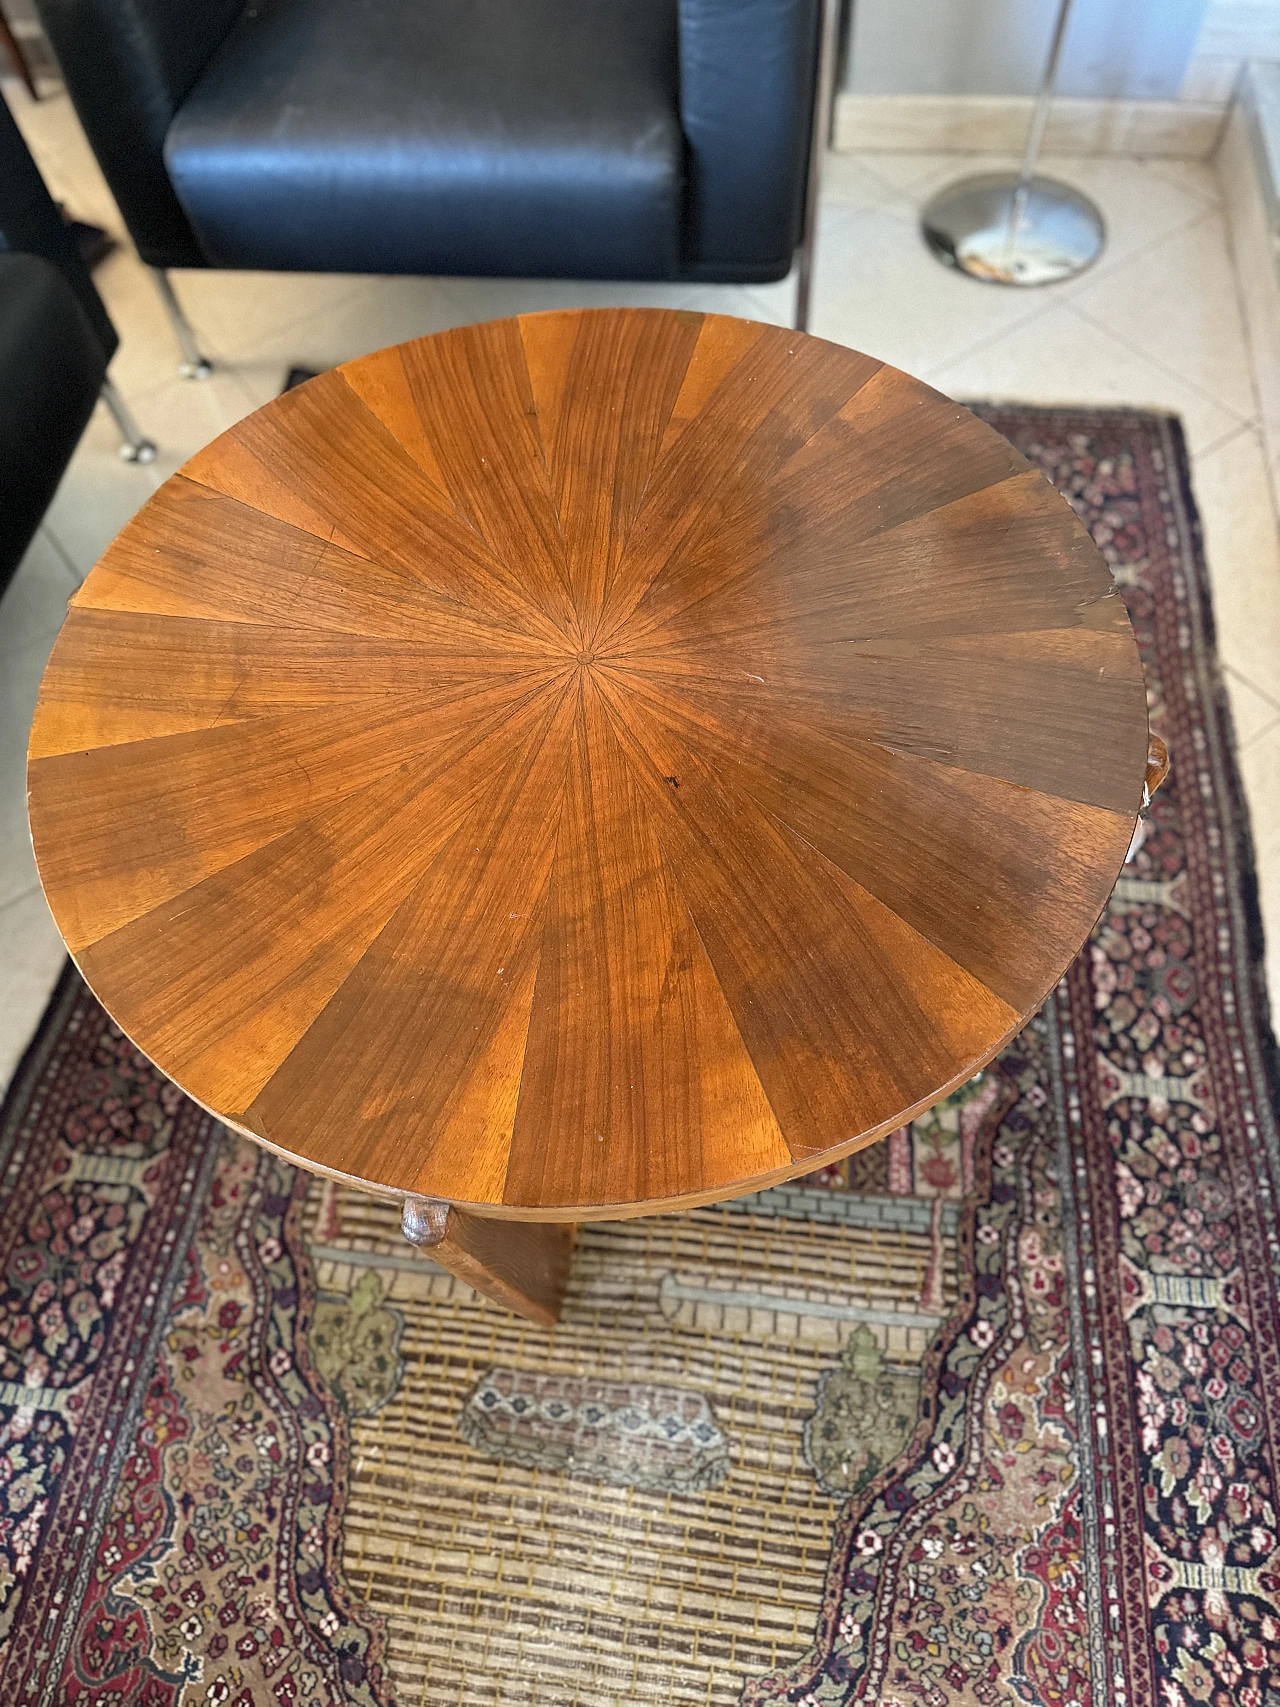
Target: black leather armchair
{"points": [[55, 343], [621, 139]]}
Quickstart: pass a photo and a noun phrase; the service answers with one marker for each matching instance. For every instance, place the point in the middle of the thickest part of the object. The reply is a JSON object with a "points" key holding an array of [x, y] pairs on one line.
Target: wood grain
{"points": [[588, 764], [524, 1268]]}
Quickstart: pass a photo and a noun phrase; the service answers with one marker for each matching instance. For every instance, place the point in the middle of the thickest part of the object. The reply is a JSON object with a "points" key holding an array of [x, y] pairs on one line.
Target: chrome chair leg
{"points": [[194, 365], [135, 448]]}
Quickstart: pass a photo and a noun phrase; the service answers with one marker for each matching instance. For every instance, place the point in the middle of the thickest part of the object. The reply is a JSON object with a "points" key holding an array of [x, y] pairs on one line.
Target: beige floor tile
{"points": [[855, 180], [99, 492], [486, 299], [775, 303], [880, 290], [379, 312], [35, 600], [30, 616], [1140, 201], [1197, 176], [1177, 301], [389, 311], [235, 311], [1242, 547], [148, 357], [1252, 713], [33, 955], [392, 310], [1062, 357], [49, 125], [1260, 768]]}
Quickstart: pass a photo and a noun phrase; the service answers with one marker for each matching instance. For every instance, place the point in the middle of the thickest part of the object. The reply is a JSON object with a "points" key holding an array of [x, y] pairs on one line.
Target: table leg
{"points": [[522, 1265]]}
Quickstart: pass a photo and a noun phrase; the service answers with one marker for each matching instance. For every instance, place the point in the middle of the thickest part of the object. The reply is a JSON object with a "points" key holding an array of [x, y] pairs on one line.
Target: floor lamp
{"points": [[1018, 229]]}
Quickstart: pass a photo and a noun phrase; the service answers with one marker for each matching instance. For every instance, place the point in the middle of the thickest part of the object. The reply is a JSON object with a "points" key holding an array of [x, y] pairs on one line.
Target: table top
{"points": [[588, 763]]}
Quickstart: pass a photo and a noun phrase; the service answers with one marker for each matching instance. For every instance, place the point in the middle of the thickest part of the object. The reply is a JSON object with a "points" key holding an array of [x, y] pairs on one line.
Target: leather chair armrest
{"points": [[128, 66], [30, 224], [51, 366], [747, 75]]}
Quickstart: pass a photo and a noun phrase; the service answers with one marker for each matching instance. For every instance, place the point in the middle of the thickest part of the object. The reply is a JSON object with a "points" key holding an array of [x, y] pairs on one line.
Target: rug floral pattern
{"points": [[1064, 1495], [1089, 1513], [172, 1468]]}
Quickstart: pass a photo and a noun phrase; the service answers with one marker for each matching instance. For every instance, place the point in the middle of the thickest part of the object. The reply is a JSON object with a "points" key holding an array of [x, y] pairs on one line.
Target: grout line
{"points": [[1214, 197], [859, 157], [1155, 361], [1260, 735], [1089, 278], [1242, 310], [60, 552], [1223, 439], [1247, 681], [73, 570], [938, 369], [241, 355], [1065, 295], [1204, 218]]}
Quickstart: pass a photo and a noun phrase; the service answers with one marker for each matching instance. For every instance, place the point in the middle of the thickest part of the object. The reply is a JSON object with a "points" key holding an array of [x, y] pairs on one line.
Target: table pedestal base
{"points": [[522, 1265]]}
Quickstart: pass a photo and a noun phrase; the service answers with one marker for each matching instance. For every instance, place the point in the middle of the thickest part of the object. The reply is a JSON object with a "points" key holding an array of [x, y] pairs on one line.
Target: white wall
{"points": [[1233, 31], [997, 47]]}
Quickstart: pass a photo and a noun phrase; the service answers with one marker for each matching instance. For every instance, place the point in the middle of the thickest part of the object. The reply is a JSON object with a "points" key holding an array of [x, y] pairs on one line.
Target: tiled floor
{"points": [[1156, 323]]}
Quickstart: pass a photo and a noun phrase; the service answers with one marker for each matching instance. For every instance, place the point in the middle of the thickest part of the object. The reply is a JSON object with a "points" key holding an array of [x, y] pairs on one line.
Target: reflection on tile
{"points": [[1062, 357], [33, 956]]}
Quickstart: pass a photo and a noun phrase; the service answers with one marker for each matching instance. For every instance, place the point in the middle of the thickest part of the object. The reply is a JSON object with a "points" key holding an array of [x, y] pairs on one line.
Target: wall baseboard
{"points": [[1245, 163], [943, 124]]}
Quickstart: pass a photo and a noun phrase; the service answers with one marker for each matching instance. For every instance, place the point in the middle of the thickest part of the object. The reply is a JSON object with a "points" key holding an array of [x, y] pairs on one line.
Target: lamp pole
{"points": [[1018, 229]]}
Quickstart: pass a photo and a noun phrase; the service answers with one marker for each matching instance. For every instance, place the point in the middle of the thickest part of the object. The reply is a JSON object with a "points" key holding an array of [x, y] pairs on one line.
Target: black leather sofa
{"points": [[618, 139], [55, 343]]}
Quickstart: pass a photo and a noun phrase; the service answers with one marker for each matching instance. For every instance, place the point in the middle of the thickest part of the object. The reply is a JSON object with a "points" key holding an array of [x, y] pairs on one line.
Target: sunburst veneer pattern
{"points": [[588, 762]]}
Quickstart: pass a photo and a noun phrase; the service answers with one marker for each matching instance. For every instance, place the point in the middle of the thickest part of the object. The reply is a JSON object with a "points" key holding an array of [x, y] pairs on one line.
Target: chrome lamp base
{"points": [[1007, 230]]}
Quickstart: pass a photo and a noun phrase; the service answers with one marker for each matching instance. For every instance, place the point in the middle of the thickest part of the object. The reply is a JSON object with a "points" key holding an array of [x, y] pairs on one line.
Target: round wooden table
{"points": [[586, 765]]}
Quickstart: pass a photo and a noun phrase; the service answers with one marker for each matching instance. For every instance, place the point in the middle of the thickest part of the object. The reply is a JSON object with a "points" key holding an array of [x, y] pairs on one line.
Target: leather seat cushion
{"points": [[52, 365], [506, 137]]}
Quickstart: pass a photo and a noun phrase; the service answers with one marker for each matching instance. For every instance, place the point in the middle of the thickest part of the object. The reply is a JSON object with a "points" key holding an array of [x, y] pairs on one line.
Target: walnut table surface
{"points": [[585, 765]]}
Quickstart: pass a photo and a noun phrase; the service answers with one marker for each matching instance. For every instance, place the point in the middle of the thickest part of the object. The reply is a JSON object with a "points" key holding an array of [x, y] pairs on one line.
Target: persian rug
{"points": [[985, 1415]]}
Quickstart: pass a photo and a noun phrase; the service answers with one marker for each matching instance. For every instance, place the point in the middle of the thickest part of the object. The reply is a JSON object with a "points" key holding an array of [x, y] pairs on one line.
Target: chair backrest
{"points": [[30, 224], [128, 65]]}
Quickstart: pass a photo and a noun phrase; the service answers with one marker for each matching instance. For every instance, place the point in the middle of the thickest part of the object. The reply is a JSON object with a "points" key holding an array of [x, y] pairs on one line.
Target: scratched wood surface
{"points": [[589, 762]]}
